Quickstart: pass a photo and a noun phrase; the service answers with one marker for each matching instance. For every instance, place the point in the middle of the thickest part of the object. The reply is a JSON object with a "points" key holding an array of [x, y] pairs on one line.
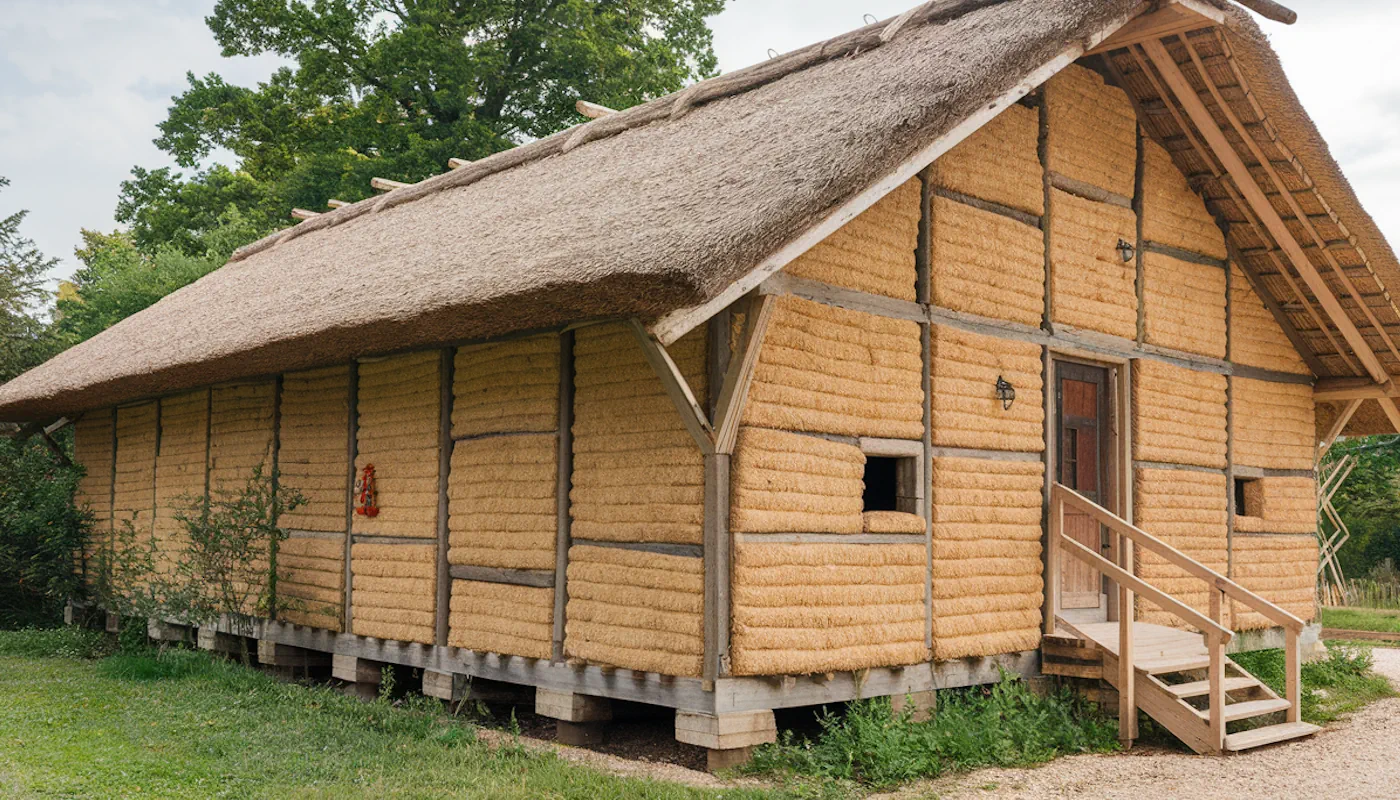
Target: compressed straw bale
{"points": [[1187, 510], [312, 449], [506, 386], [872, 253], [1282, 570], [785, 482], [311, 581], [987, 264], [1184, 305], [92, 449], [966, 412], [1179, 415], [1274, 426], [180, 466], [637, 610], [1173, 214], [987, 583], [501, 502], [1094, 290], [240, 434], [135, 473], [1255, 336], [1285, 505], [892, 522], [498, 618], [398, 433], [394, 591], [638, 475], [1093, 130], [999, 163], [803, 608], [831, 370]]}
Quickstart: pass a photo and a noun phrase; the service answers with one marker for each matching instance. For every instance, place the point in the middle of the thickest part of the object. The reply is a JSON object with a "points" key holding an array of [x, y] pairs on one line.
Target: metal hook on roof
{"points": [[772, 53], [869, 19]]}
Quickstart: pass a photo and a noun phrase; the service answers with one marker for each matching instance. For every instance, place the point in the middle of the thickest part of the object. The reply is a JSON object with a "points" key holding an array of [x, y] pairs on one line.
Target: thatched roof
{"points": [[639, 213]]}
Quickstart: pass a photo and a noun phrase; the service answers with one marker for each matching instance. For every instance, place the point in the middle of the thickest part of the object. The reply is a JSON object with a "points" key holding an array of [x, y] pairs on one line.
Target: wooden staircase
{"points": [[1180, 678]]}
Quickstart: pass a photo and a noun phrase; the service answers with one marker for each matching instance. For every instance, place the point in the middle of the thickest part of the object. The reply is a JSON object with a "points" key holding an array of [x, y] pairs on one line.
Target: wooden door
{"points": [[1082, 444]]}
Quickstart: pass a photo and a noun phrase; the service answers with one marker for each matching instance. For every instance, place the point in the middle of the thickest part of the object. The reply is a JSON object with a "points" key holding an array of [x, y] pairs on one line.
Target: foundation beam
{"points": [[728, 738], [273, 654]]}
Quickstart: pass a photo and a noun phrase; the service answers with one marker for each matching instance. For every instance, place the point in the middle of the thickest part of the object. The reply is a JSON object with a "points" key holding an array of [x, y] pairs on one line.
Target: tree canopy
{"points": [[22, 296]]}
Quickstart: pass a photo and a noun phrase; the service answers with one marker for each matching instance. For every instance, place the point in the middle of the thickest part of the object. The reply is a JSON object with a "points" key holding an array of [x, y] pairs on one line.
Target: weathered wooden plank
{"points": [[446, 369], [543, 578], [830, 538], [662, 548], [841, 297], [564, 482], [1088, 191]]}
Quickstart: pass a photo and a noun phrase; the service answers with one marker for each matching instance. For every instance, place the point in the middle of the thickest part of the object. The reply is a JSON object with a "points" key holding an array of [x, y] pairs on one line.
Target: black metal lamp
{"points": [[1126, 250], [1006, 393]]}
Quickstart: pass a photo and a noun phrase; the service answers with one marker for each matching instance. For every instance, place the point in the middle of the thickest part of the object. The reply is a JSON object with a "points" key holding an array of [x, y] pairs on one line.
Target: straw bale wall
{"points": [[1189, 511], [135, 474], [506, 386], [987, 264], [180, 469], [499, 618], [1282, 570], [987, 582], [92, 448], [966, 412], [1274, 425], [1173, 214], [636, 610], [638, 474], [999, 163], [873, 252], [1179, 415], [830, 370], [394, 591], [892, 522], [1183, 305], [398, 433], [240, 434], [311, 581], [803, 608], [1093, 289], [312, 449], [1093, 130], [1255, 336], [501, 500], [792, 483], [1285, 505]]}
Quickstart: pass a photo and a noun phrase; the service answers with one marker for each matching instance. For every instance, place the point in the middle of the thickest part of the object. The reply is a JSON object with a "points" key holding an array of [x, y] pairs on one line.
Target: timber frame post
{"points": [[563, 538], [446, 375]]}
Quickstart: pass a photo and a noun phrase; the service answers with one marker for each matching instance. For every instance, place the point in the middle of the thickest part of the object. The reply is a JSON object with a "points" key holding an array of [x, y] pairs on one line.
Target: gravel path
{"points": [[1358, 757]]}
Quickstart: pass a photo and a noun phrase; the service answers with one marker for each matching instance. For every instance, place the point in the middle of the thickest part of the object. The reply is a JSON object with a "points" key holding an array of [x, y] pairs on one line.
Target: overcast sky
{"points": [[84, 82]]}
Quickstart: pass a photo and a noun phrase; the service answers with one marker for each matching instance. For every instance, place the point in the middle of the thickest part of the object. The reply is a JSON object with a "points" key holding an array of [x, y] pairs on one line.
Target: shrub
{"points": [[40, 534], [1336, 685]]}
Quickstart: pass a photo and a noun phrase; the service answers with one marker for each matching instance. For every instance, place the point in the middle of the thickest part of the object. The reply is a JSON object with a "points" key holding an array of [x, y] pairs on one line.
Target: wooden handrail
{"points": [[1149, 542], [1143, 588]]}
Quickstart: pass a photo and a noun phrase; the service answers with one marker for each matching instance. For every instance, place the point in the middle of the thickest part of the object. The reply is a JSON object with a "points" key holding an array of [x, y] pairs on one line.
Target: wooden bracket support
{"points": [[677, 388]]}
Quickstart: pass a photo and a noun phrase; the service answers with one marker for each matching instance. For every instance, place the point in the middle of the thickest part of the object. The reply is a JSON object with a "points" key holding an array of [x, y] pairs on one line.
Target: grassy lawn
{"points": [[1361, 619]]}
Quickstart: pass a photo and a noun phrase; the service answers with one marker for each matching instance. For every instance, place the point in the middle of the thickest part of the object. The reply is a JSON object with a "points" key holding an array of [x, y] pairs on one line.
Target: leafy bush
{"points": [[40, 533], [66, 642], [1336, 685], [1000, 725]]}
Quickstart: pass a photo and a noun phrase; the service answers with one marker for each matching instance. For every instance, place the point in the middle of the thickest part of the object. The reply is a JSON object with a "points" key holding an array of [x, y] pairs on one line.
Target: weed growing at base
{"points": [[1336, 685]]}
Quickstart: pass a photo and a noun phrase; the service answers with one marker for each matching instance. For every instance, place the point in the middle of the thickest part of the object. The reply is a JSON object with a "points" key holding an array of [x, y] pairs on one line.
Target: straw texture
{"points": [[966, 411], [398, 434], [1283, 505], [802, 608], [1093, 288], [635, 610], [394, 591], [501, 502], [1173, 214], [987, 264], [791, 483], [92, 449], [998, 163], [508, 386], [638, 475], [892, 522], [311, 581], [831, 370], [136, 458], [1187, 510], [1093, 130], [312, 448], [873, 252], [1179, 415], [1255, 336], [1282, 569], [180, 466], [987, 582], [1274, 426], [1184, 305], [498, 618], [240, 434]]}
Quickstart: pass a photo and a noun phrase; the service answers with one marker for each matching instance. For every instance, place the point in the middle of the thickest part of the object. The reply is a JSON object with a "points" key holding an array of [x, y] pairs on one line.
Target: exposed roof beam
{"points": [[593, 110], [301, 213], [457, 163], [386, 185], [1268, 9], [337, 203], [1331, 390], [1289, 329]]}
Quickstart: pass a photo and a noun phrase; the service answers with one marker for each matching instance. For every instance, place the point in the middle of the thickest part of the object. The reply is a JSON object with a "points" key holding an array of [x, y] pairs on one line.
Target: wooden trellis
{"points": [[1332, 532]]}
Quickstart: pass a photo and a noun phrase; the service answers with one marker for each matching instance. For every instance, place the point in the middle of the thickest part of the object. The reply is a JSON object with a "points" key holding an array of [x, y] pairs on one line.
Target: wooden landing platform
{"points": [[1156, 648]]}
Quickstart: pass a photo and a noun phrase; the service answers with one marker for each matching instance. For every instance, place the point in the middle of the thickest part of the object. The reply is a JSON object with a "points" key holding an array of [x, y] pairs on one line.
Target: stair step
{"points": [[1168, 665], [1254, 708], [1269, 734], [1202, 688]]}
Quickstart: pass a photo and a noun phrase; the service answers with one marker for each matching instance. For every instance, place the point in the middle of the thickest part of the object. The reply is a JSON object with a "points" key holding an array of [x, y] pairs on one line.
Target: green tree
{"points": [[1369, 502], [394, 88], [22, 295], [40, 533]]}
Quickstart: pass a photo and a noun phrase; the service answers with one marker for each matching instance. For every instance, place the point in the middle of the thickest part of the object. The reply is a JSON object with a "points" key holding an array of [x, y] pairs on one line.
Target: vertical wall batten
{"points": [[717, 565], [442, 609], [1139, 201], [276, 487], [352, 425], [563, 538], [923, 293], [1043, 150]]}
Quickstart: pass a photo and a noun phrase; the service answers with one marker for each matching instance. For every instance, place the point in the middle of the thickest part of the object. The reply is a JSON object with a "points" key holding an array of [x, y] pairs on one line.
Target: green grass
{"points": [[77, 721], [1361, 619], [1337, 685], [1002, 725]]}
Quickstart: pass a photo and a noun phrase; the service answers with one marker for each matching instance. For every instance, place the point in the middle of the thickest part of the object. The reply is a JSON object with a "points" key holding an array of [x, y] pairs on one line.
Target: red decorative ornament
{"points": [[366, 498]]}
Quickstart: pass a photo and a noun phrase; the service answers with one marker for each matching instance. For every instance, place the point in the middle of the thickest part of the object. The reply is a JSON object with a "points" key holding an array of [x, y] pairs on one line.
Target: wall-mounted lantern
{"points": [[1126, 250], [1006, 393]]}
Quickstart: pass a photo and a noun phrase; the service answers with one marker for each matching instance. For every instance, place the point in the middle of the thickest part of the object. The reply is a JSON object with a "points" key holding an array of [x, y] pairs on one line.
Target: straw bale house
{"points": [[707, 403]]}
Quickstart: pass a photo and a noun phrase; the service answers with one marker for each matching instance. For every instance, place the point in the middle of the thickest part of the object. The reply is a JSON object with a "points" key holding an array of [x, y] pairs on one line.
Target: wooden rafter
{"points": [[1338, 425], [1280, 316]]}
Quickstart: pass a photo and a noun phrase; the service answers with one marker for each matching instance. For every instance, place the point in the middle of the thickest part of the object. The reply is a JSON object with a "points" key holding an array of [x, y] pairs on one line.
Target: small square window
{"points": [[1249, 497], [891, 484]]}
